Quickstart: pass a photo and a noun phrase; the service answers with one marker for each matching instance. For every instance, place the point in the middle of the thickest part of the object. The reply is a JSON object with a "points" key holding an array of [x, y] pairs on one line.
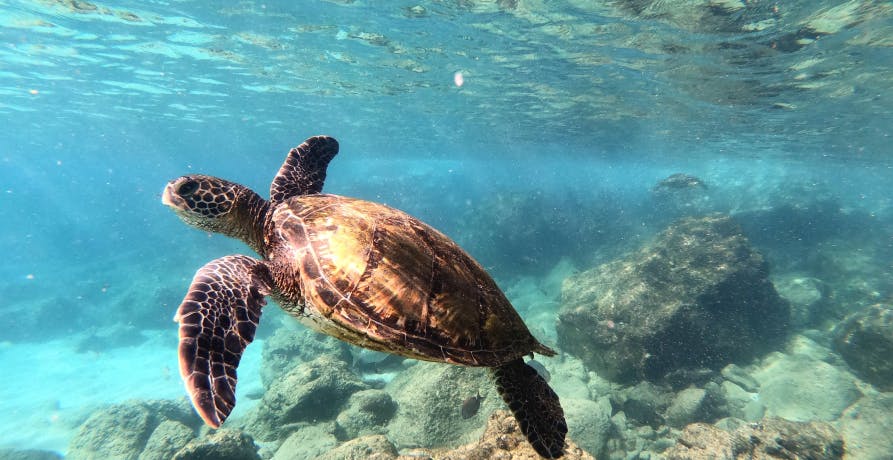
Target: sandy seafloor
{"points": [[50, 389]]}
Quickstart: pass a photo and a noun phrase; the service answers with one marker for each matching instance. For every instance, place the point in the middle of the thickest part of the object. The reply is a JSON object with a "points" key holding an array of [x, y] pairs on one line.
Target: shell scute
{"points": [[385, 280]]}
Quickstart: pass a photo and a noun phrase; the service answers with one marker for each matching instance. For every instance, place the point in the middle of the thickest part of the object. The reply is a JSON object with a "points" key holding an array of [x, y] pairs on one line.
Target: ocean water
{"points": [[534, 133]]}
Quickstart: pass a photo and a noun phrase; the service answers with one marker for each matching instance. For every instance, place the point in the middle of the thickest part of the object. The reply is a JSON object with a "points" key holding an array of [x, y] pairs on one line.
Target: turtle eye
{"points": [[187, 188]]}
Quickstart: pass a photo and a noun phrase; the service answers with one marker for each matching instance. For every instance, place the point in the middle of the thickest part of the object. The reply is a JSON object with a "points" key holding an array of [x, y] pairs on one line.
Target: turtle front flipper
{"points": [[218, 319], [304, 170], [535, 406]]}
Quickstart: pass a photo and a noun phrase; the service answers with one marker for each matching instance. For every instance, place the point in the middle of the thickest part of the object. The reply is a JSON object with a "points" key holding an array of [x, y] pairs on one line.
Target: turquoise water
{"points": [[532, 132]]}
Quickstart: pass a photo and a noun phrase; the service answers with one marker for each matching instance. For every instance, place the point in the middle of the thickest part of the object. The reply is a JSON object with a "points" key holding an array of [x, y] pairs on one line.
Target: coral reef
{"points": [[697, 297]]}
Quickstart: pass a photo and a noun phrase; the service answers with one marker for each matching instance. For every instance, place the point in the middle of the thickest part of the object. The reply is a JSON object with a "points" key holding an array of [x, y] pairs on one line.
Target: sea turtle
{"points": [[679, 181], [359, 271]]}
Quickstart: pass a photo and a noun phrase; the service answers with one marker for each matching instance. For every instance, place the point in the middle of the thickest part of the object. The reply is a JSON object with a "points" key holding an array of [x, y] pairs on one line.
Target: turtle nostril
{"points": [[187, 188]]}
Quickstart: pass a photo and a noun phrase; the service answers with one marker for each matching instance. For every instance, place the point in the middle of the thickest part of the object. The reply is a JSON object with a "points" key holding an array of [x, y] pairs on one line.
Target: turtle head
{"points": [[216, 205]]}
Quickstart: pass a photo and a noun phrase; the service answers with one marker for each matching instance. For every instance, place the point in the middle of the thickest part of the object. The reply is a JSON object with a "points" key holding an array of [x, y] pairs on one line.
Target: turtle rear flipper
{"points": [[218, 319], [535, 406]]}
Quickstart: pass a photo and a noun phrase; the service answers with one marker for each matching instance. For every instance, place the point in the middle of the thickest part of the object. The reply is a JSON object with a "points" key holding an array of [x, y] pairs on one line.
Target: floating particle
{"points": [[458, 79]]}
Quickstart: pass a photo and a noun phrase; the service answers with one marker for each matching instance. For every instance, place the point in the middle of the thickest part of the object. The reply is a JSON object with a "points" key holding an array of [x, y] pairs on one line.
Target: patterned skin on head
{"points": [[217, 205], [201, 199]]}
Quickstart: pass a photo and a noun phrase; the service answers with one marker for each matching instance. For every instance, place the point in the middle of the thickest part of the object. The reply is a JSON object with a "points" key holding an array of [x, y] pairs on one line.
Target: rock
{"points": [[502, 439], [179, 410], [223, 444], [28, 454], [773, 438], [689, 406], [729, 423], [807, 297], [599, 386], [737, 375], [292, 345], [620, 422], [122, 431], [865, 340], [808, 345], [375, 367], [681, 195], [571, 387], [589, 422], [116, 432], [866, 427], [166, 440], [645, 403], [567, 219], [311, 392], [368, 412], [698, 296], [372, 447], [742, 404], [429, 400], [801, 388], [308, 443], [569, 377]]}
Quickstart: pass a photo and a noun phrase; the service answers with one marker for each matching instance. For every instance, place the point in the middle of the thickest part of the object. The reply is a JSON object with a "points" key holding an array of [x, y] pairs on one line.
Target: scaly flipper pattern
{"points": [[218, 319], [535, 406], [304, 170]]}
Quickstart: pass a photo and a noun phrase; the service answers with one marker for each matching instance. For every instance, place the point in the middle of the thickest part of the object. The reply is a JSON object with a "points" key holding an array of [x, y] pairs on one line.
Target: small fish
{"points": [[471, 405], [540, 369]]}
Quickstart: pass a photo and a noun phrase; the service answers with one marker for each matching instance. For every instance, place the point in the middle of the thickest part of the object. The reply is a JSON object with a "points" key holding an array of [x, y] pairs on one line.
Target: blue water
{"points": [[568, 114]]}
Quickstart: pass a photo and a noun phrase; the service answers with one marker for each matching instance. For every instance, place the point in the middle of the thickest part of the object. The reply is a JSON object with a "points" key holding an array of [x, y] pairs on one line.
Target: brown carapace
{"points": [[359, 271]]}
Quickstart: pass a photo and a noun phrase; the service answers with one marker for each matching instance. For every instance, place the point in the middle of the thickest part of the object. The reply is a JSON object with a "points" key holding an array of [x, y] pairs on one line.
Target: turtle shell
{"points": [[378, 278]]}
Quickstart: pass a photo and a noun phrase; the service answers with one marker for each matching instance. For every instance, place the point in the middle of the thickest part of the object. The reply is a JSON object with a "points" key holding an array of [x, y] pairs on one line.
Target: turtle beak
{"points": [[169, 198]]}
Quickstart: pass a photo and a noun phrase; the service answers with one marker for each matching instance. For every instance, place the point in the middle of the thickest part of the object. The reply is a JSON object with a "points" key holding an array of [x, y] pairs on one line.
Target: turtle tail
{"points": [[535, 406]]}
